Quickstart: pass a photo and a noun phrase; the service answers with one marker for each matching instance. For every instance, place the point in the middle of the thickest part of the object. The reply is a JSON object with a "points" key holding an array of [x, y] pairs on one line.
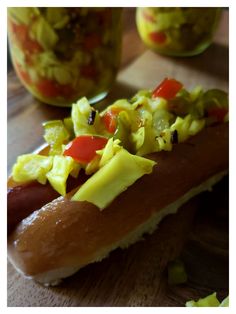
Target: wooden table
{"points": [[198, 233]]}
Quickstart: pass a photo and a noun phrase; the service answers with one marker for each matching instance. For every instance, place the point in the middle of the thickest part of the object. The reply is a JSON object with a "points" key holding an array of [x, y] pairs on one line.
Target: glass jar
{"points": [[177, 31], [62, 54]]}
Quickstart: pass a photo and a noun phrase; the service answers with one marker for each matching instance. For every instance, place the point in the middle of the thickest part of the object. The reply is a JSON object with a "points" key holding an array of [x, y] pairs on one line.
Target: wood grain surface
{"points": [[198, 234]]}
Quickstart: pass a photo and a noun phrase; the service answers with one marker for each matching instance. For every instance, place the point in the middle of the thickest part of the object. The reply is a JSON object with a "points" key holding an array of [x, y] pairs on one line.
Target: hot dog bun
{"points": [[63, 236]]}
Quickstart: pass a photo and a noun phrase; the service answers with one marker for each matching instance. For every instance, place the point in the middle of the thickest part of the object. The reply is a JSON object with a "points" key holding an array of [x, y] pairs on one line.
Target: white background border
{"points": [[3, 154]]}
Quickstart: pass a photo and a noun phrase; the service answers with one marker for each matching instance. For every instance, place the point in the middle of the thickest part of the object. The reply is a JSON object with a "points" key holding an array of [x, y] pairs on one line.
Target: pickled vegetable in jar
{"points": [[62, 54], [177, 31]]}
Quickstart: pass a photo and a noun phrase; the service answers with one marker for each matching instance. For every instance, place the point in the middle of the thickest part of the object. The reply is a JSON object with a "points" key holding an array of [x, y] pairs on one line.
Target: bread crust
{"points": [[63, 236]]}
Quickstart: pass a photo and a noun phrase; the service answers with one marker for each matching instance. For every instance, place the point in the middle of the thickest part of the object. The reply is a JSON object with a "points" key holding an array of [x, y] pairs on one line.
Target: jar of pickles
{"points": [[177, 31], [62, 54]]}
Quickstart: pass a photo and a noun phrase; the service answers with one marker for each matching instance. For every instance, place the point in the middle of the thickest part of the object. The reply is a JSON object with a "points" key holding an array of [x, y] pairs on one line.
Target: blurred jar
{"points": [[177, 31], [62, 54]]}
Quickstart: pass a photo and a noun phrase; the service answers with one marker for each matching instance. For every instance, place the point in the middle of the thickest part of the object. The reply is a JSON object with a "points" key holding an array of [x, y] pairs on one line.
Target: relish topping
{"points": [[144, 124]]}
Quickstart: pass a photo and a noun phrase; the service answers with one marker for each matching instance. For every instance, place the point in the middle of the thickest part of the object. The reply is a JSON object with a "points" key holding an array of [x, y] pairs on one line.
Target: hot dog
{"points": [[65, 234]]}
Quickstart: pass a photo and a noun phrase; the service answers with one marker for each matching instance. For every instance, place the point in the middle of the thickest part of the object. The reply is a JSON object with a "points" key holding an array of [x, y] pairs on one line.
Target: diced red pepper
{"points": [[92, 41], [167, 89], [21, 33], [218, 113], [158, 37], [51, 89], [32, 46], [83, 148], [110, 119], [48, 88], [88, 71]]}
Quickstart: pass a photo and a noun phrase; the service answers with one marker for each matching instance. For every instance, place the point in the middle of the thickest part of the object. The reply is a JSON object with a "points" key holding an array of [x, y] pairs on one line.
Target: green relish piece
{"points": [[209, 301], [176, 273], [62, 166], [55, 134], [113, 178], [30, 167]]}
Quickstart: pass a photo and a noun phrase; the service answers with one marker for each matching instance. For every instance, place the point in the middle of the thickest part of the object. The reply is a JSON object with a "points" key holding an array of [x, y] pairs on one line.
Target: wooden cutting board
{"points": [[198, 234]]}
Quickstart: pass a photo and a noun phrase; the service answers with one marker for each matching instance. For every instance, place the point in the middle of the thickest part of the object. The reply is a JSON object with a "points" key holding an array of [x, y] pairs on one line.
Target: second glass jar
{"points": [[177, 31]]}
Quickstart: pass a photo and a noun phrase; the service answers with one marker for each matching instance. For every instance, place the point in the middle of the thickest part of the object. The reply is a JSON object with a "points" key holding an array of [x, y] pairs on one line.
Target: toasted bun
{"points": [[63, 236]]}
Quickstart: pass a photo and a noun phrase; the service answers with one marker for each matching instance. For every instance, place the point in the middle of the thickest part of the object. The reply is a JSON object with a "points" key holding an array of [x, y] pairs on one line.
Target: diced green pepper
{"points": [[176, 273], [31, 167], [80, 114], [62, 166], [44, 33], [215, 97], [225, 302], [209, 301], [69, 126], [55, 134], [123, 131]]}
